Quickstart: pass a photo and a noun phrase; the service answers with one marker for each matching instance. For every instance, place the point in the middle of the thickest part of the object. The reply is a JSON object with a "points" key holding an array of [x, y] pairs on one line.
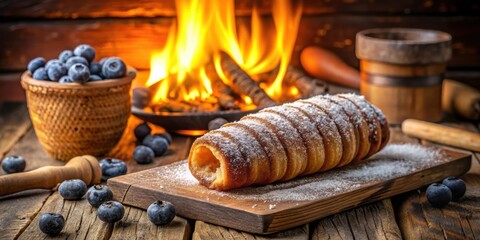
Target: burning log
{"points": [[242, 83], [220, 90], [186, 106], [307, 86]]}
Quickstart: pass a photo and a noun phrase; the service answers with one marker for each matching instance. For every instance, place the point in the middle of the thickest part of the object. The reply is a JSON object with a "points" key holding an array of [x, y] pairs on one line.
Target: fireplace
{"points": [[213, 66], [134, 30]]}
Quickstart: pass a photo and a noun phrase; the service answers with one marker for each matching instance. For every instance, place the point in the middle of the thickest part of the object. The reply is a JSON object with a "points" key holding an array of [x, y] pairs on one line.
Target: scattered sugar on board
{"points": [[394, 161]]}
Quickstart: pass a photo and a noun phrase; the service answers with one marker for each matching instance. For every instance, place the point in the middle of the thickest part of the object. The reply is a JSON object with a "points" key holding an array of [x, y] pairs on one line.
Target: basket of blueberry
{"points": [[78, 106]]}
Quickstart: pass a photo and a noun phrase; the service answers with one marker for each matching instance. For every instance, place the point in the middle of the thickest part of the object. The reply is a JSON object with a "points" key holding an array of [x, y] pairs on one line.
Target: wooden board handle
{"points": [[325, 65], [85, 168], [461, 99], [442, 134]]}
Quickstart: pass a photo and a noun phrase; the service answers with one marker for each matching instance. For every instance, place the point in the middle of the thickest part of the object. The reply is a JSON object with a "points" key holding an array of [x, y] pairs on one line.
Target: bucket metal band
{"points": [[381, 80]]}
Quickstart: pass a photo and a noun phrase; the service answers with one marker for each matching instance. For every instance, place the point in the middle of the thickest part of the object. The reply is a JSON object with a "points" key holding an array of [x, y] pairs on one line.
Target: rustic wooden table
{"points": [[407, 216]]}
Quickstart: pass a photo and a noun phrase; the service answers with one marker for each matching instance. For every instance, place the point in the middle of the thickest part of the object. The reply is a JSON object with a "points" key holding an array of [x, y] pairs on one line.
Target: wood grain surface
{"points": [[19, 212], [134, 39], [196, 202], [146, 8]]}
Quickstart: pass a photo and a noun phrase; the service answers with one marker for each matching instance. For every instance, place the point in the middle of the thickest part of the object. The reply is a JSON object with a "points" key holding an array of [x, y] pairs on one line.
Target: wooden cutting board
{"points": [[268, 209]]}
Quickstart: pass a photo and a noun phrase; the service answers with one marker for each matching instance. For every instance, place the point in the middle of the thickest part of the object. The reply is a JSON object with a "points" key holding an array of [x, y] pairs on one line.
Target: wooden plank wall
{"points": [[132, 29]]}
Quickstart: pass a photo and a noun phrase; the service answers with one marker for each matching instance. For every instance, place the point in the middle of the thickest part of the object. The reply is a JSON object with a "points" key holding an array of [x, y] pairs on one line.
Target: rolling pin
{"points": [[461, 99], [457, 98], [442, 134], [85, 168]]}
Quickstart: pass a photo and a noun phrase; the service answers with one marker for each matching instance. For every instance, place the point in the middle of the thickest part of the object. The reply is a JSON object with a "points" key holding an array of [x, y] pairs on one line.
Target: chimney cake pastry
{"points": [[283, 142]]}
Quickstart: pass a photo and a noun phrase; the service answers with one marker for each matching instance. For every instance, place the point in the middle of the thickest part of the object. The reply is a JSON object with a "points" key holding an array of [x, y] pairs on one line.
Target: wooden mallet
{"points": [[85, 168], [442, 134]]}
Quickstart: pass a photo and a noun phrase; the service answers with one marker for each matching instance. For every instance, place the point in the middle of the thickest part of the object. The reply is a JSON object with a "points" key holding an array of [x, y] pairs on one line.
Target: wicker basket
{"points": [[73, 119]]}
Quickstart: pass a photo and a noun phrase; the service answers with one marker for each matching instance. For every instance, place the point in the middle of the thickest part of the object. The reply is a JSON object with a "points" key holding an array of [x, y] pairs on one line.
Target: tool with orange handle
{"points": [[457, 98]]}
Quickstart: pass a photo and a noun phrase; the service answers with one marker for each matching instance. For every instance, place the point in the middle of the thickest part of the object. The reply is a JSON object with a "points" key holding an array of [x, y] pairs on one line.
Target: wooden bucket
{"points": [[402, 71]]}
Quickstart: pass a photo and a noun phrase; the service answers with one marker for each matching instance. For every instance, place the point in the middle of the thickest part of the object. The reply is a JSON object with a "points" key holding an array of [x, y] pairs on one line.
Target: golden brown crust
{"points": [[332, 141], [309, 135], [283, 142], [361, 126], [291, 141], [344, 126], [271, 144], [369, 114]]}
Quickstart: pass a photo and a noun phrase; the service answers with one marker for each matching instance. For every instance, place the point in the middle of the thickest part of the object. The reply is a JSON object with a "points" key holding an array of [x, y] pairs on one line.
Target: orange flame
{"points": [[203, 29]]}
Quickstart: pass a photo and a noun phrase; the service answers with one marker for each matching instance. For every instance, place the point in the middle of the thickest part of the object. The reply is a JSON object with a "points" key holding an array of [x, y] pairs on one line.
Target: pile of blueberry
{"points": [[77, 66], [440, 194], [151, 145], [100, 197]]}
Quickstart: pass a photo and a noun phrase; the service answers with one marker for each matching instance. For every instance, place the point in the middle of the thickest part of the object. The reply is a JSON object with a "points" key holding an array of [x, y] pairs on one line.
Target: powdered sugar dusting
{"points": [[394, 161]]}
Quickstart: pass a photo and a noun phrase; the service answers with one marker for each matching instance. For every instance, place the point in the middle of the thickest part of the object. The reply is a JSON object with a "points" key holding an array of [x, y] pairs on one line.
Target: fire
{"points": [[203, 29]]}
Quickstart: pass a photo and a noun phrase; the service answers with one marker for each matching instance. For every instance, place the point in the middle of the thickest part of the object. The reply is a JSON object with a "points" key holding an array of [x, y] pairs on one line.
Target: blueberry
{"points": [[65, 55], [143, 154], [456, 185], [110, 211], [52, 61], [79, 73], [141, 131], [216, 123], [159, 145], [112, 167], [438, 195], [99, 194], [56, 71], [13, 164], [165, 135], [51, 223], [86, 51], [65, 79], [96, 68], [161, 212], [40, 74], [35, 64], [102, 61], [75, 59], [114, 68], [94, 78], [72, 189]]}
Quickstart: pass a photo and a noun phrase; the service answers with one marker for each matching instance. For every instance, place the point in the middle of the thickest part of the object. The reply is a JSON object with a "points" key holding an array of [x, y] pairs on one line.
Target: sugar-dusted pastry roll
{"points": [[283, 142]]}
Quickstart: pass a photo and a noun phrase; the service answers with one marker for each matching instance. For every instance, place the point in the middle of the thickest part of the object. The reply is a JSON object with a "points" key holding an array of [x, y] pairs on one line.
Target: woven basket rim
{"points": [[27, 80]]}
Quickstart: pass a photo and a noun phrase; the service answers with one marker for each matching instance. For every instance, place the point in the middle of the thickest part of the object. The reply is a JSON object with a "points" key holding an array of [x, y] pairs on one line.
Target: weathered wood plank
{"points": [[145, 8], [418, 219], [14, 123], [458, 220], [80, 220], [18, 210], [337, 34], [29, 147], [372, 221], [10, 87], [136, 225], [135, 39], [206, 231]]}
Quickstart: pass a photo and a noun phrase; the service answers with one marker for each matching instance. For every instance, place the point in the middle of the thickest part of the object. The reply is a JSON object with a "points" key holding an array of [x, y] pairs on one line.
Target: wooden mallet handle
{"points": [[85, 168], [325, 65], [442, 134]]}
